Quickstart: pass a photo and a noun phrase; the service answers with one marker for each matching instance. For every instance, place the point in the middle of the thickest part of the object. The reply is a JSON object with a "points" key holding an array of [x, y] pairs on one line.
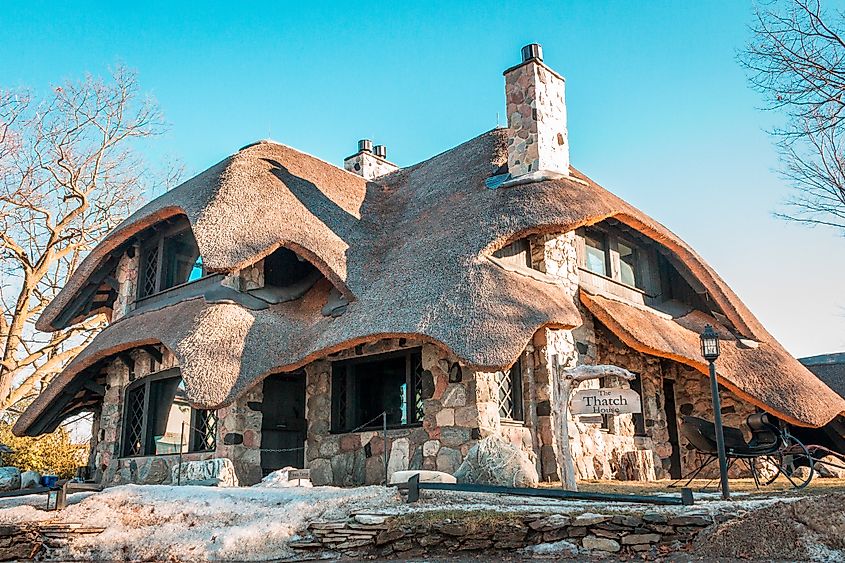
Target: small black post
{"points": [[686, 497], [384, 446], [414, 488]]}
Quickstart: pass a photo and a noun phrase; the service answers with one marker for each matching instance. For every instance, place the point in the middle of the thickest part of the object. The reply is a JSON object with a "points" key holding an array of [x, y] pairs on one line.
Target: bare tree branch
{"points": [[69, 172], [796, 60]]}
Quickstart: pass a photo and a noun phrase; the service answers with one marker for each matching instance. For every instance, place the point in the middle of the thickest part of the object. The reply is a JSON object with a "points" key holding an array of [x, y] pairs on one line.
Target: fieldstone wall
{"points": [[692, 398], [238, 431], [641, 535], [536, 109], [456, 414], [127, 278]]}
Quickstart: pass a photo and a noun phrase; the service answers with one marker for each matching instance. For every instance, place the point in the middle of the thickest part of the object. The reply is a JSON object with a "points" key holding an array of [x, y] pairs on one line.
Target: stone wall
{"points": [[455, 416], [238, 430], [127, 278], [642, 534]]}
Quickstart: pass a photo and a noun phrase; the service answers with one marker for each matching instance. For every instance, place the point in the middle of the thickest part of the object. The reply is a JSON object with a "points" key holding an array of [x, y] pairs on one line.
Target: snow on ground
{"points": [[158, 522]]}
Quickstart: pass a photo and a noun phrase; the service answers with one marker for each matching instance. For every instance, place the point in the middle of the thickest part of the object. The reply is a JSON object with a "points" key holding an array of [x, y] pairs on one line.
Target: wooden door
{"points": [[283, 425]]}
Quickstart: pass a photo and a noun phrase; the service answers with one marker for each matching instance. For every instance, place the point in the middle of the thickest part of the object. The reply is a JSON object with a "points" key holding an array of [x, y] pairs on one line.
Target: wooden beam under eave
{"points": [[154, 352]]}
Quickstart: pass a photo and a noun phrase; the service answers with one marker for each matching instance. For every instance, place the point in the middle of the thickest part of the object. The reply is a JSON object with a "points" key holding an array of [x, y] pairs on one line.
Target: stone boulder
{"points": [[30, 479], [830, 467], [217, 472], [492, 461], [10, 478]]}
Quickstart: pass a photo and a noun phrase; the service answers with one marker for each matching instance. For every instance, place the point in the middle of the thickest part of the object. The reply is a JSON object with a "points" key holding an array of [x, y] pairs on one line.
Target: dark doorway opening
{"points": [[672, 424], [283, 424]]}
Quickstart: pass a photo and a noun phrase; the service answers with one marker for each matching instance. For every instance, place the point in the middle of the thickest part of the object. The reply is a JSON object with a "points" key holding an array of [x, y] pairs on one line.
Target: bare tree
{"points": [[69, 172], [797, 61]]}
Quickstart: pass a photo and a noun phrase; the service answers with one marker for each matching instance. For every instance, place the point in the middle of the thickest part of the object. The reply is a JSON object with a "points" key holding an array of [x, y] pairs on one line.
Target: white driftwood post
{"points": [[564, 380]]}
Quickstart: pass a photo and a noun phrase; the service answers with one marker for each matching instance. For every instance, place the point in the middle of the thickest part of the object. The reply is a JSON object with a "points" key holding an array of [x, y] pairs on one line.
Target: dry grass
{"points": [[781, 487]]}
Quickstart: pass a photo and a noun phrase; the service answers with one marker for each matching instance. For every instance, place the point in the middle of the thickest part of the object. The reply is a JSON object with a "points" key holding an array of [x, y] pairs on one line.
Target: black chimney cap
{"points": [[365, 145], [532, 51]]}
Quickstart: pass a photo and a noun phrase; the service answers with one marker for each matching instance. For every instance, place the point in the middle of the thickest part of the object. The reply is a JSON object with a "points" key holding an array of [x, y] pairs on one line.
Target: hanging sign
{"points": [[605, 401]]}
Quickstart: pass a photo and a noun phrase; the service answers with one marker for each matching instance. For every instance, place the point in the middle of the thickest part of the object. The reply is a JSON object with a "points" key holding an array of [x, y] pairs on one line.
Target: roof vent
{"points": [[365, 145], [532, 51], [380, 151]]}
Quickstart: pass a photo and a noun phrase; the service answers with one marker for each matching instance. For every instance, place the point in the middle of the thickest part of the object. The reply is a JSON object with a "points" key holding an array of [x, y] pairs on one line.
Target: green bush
{"points": [[54, 454]]}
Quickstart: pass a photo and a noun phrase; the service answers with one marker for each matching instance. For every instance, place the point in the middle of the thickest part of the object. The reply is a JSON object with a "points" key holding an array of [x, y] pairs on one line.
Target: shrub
{"points": [[54, 453]]}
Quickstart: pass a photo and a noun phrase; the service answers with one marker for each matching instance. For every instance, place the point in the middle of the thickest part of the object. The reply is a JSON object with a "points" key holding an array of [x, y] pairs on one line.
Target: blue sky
{"points": [[659, 110]]}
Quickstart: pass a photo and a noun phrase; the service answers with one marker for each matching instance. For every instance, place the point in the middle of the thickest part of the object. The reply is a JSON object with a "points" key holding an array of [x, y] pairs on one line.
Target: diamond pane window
{"points": [[133, 438], [150, 277], [159, 420], [509, 392], [205, 430]]}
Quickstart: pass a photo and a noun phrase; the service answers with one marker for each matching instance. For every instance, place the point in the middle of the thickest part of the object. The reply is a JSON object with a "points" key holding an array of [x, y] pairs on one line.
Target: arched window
{"points": [[158, 419]]}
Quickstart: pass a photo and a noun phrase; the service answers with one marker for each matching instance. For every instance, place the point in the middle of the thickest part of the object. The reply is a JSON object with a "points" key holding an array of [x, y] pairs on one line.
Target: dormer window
{"points": [[168, 259], [613, 256]]}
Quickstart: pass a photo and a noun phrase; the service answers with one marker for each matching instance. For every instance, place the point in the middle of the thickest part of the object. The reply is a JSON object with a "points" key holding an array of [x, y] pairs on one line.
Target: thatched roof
{"points": [[765, 375], [830, 368], [409, 250]]}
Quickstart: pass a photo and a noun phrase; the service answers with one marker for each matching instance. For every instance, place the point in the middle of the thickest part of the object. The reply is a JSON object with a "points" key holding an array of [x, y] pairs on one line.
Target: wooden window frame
{"points": [[155, 244], [518, 410], [346, 381], [146, 383]]}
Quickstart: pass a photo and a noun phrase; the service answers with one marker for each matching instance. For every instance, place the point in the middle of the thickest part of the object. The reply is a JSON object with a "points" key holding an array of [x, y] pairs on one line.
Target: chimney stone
{"points": [[367, 163], [536, 108]]}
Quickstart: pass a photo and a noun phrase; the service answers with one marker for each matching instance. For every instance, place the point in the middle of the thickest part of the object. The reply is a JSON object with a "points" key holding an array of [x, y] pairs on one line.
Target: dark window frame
{"points": [[613, 258], [513, 376], [155, 246], [194, 438], [343, 389]]}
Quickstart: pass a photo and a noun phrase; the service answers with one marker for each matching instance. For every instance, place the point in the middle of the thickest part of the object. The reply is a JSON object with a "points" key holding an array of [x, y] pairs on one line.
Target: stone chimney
{"points": [[369, 162], [536, 107]]}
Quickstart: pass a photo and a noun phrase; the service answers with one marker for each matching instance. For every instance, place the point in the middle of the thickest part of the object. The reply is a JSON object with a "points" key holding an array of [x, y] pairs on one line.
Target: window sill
{"points": [[614, 281], [376, 429], [142, 456], [513, 422], [175, 288]]}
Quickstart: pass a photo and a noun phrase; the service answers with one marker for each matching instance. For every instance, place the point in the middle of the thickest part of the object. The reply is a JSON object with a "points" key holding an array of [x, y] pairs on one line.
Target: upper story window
{"points": [[158, 419], [612, 256], [596, 256], [169, 259]]}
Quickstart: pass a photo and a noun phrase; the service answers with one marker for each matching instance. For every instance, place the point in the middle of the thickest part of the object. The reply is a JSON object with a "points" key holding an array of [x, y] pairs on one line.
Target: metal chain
{"points": [[356, 429]]}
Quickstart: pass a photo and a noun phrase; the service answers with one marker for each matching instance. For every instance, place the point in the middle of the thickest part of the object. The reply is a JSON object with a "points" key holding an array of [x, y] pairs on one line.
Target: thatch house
{"points": [[274, 305]]}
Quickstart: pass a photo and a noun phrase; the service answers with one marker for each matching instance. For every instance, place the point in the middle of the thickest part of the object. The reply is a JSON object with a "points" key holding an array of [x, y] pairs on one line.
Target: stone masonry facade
{"points": [[456, 414]]}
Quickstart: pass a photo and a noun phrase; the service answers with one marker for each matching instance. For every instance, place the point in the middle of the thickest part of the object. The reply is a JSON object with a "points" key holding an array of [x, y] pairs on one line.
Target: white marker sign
{"points": [[605, 401]]}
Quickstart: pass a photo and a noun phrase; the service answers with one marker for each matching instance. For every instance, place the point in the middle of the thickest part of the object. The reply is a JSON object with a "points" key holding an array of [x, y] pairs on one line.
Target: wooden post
{"points": [[562, 388], [384, 439]]}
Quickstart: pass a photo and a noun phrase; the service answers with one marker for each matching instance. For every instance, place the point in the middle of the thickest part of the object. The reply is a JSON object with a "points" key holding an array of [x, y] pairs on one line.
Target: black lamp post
{"points": [[710, 351]]}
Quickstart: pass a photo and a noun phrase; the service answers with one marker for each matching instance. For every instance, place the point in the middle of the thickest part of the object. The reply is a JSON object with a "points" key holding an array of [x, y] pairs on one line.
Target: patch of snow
{"points": [[560, 548], [280, 479]]}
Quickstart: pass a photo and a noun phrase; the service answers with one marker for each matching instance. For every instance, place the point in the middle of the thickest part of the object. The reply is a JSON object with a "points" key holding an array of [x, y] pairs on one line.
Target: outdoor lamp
{"points": [[710, 351], [709, 344]]}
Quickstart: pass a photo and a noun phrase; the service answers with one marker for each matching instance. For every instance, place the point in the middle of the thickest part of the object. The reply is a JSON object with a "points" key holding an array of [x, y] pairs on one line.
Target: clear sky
{"points": [[659, 110]]}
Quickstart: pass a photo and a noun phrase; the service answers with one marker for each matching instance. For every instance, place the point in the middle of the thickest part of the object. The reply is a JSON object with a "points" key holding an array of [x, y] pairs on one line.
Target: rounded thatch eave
{"points": [[265, 196], [766, 376]]}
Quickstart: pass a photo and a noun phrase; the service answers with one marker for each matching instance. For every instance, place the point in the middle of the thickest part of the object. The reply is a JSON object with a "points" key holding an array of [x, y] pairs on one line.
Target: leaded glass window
{"points": [[509, 392]]}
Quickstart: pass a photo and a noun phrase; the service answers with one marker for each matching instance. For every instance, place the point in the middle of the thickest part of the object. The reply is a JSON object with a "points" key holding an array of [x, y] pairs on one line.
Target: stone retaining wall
{"points": [[423, 534]]}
